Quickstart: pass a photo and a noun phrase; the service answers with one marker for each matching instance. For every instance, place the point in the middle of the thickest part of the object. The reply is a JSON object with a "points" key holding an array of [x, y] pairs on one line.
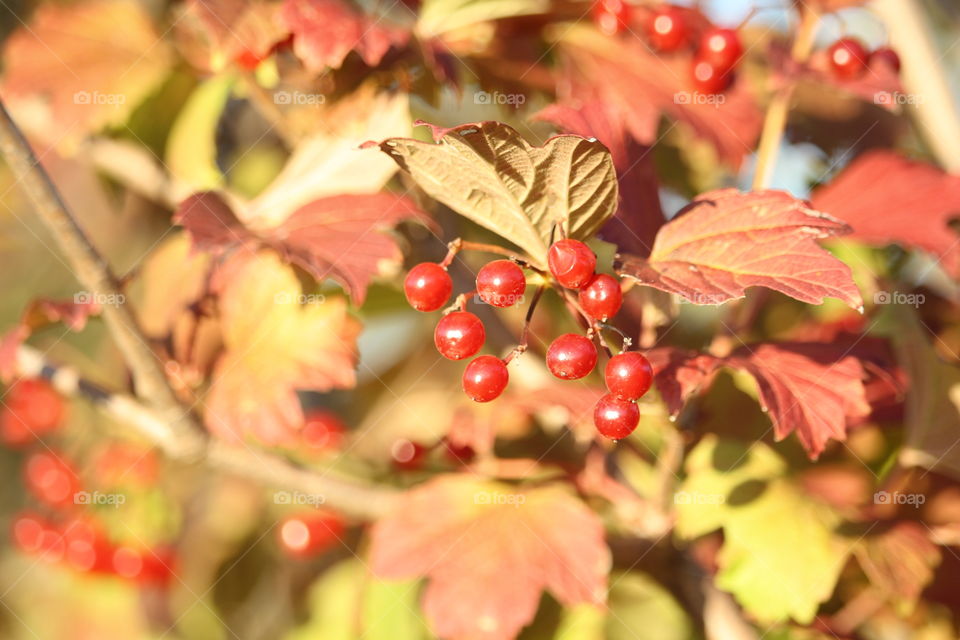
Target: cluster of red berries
{"points": [[501, 283], [849, 59], [668, 29]]}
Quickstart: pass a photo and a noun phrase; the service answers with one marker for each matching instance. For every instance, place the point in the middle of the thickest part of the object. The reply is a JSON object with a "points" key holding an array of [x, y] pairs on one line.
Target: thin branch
{"points": [[93, 273], [346, 496]]}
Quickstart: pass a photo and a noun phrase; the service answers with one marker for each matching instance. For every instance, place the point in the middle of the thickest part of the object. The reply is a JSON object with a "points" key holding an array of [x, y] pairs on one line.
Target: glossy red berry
{"points": [[667, 30], [571, 356], [611, 16], [601, 297], [50, 479], [485, 378], [310, 534], [628, 375], [708, 78], [408, 455], [322, 430], [459, 335], [720, 47], [887, 56], [32, 408], [615, 418], [428, 286], [571, 262], [848, 58], [501, 283], [34, 534]]}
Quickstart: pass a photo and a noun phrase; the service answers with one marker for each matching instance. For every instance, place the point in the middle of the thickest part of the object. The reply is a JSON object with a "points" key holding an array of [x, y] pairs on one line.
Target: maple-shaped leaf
{"points": [[639, 214], [490, 551], [726, 241], [72, 70], [238, 30], [627, 76], [339, 237], [488, 173], [871, 197], [325, 31], [680, 374], [277, 341]]}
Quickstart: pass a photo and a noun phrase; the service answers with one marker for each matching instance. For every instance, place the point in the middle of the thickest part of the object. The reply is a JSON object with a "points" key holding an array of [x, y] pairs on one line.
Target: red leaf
{"points": [[210, 222], [680, 374], [238, 28], [489, 552], [887, 198], [726, 241], [325, 31]]}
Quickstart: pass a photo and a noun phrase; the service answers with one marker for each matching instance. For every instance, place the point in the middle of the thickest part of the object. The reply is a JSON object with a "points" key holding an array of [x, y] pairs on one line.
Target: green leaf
{"points": [[641, 609], [781, 557], [192, 147], [488, 173], [439, 16]]}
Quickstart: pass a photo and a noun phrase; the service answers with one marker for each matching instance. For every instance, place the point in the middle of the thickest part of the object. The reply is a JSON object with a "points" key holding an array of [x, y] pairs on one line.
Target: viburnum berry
{"points": [[667, 30], [34, 534], [611, 16], [571, 356], [628, 375], [601, 297], [615, 418], [886, 55], [459, 335], [50, 479], [408, 455], [311, 534], [428, 286], [322, 430], [458, 453], [501, 283], [33, 408], [571, 262], [848, 58], [708, 78], [720, 47], [485, 378]]}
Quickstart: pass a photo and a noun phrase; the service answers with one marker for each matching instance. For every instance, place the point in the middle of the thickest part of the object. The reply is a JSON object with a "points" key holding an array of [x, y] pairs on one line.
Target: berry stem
{"points": [[456, 246], [525, 334], [626, 340], [460, 303]]}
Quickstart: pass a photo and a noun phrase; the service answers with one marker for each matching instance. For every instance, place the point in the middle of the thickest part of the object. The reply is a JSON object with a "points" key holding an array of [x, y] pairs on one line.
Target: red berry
{"points": [[848, 58], [248, 59], [50, 479], [615, 418], [601, 298], [571, 356], [458, 453], [310, 534], [459, 335], [708, 78], [322, 430], [428, 286], [86, 548], [720, 47], [32, 408], [571, 262], [611, 16], [485, 378], [36, 535], [667, 29], [886, 55], [628, 375], [501, 283], [408, 455]]}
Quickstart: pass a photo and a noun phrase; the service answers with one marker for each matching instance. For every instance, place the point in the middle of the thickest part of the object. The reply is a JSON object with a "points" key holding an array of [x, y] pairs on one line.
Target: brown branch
{"points": [[93, 273]]}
